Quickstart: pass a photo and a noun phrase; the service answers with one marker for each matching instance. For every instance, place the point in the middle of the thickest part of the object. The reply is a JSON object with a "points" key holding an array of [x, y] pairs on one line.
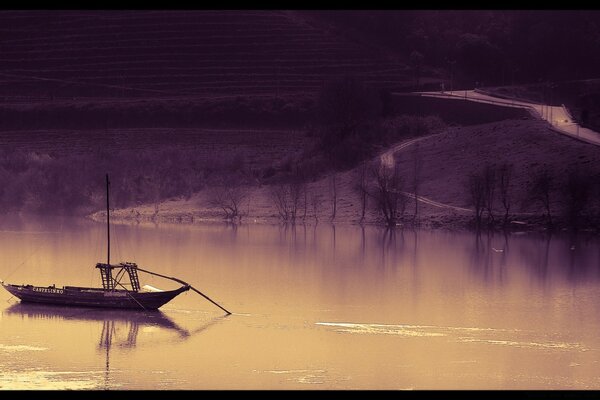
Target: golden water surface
{"points": [[325, 307]]}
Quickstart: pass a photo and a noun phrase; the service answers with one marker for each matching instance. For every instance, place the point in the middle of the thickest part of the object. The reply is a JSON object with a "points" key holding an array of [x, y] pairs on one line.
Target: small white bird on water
{"points": [[497, 250]]}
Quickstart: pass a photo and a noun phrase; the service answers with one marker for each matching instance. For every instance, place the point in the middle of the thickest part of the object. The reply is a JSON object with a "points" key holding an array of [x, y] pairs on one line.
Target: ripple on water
{"points": [[20, 347], [512, 343], [400, 330], [432, 330], [49, 380]]}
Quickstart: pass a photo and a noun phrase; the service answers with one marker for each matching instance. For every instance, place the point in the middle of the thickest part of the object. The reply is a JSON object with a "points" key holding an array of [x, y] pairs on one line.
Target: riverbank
{"points": [[446, 160]]}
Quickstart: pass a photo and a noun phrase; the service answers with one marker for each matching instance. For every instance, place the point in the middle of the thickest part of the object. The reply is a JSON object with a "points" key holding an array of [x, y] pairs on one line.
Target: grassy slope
{"points": [[447, 161], [527, 145]]}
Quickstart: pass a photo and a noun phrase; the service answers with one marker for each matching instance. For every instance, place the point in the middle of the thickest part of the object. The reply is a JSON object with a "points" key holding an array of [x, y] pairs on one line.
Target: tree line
{"points": [[568, 199]]}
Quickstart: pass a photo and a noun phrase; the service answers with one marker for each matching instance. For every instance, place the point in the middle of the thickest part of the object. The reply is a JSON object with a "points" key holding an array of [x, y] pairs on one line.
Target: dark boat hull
{"points": [[93, 297]]}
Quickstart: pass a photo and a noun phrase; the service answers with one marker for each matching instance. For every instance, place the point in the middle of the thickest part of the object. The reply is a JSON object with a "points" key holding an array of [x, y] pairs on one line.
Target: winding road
{"points": [[559, 117], [387, 160]]}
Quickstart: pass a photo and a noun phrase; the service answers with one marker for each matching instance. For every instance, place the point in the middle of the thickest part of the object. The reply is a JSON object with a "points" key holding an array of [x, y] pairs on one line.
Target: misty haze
{"points": [[262, 199]]}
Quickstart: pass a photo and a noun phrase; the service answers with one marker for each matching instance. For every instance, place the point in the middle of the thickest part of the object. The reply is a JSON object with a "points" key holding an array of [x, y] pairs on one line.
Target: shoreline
{"points": [[446, 162], [524, 224]]}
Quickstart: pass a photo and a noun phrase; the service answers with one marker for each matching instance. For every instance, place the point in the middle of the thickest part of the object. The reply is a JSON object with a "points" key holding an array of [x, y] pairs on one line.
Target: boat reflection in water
{"points": [[114, 323]]}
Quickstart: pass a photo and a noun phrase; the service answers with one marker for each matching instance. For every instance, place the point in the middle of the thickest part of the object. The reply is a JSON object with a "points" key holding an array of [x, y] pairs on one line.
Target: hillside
{"points": [[184, 69], [447, 160], [581, 97], [172, 103], [483, 47], [165, 54]]}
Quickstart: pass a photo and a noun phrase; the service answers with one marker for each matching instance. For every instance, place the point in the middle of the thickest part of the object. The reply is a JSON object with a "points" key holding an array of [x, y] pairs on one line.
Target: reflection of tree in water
{"points": [[480, 255], [581, 265], [536, 255], [542, 265], [504, 257], [570, 258], [287, 234], [232, 228], [484, 252], [363, 244], [415, 267], [392, 243]]}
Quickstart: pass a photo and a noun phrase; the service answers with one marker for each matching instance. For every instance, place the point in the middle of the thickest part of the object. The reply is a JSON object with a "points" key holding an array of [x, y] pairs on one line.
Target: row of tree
{"points": [[72, 185], [377, 186], [564, 198]]}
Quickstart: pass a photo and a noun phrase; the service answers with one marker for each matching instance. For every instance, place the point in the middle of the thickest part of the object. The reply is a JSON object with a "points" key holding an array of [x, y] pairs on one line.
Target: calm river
{"points": [[313, 308]]}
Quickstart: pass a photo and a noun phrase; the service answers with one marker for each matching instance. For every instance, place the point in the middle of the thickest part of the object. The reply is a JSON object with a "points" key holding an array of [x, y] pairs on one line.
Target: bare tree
{"points": [[298, 190], [387, 194], [541, 190], [577, 195], [476, 187], [489, 184], [287, 199], [315, 202], [305, 200], [280, 197], [295, 191], [361, 188], [229, 199], [333, 187], [504, 179], [416, 182]]}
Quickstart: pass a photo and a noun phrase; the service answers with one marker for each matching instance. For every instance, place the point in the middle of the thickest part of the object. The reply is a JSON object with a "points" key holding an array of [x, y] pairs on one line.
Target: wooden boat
{"points": [[113, 293], [108, 297]]}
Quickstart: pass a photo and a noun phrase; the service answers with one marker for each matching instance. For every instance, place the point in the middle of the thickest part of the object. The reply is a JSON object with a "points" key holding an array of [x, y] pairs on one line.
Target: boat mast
{"points": [[107, 222]]}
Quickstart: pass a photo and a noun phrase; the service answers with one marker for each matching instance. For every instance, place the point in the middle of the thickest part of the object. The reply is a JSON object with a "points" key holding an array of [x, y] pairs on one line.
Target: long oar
{"points": [[184, 283]]}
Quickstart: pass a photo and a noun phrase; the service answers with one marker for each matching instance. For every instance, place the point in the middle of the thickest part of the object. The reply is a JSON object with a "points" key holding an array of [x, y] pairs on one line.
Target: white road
{"points": [[434, 203], [558, 117], [387, 160]]}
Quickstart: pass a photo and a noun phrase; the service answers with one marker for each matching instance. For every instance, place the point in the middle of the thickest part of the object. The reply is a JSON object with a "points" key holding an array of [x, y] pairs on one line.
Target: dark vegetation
{"points": [[54, 55], [236, 111], [347, 126], [351, 124], [488, 47], [551, 55], [330, 74], [33, 182], [386, 191], [567, 201], [456, 112]]}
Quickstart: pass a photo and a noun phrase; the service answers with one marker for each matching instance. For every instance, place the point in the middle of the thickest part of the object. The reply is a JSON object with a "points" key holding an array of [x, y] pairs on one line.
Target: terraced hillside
{"points": [[265, 145], [165, 54]]}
